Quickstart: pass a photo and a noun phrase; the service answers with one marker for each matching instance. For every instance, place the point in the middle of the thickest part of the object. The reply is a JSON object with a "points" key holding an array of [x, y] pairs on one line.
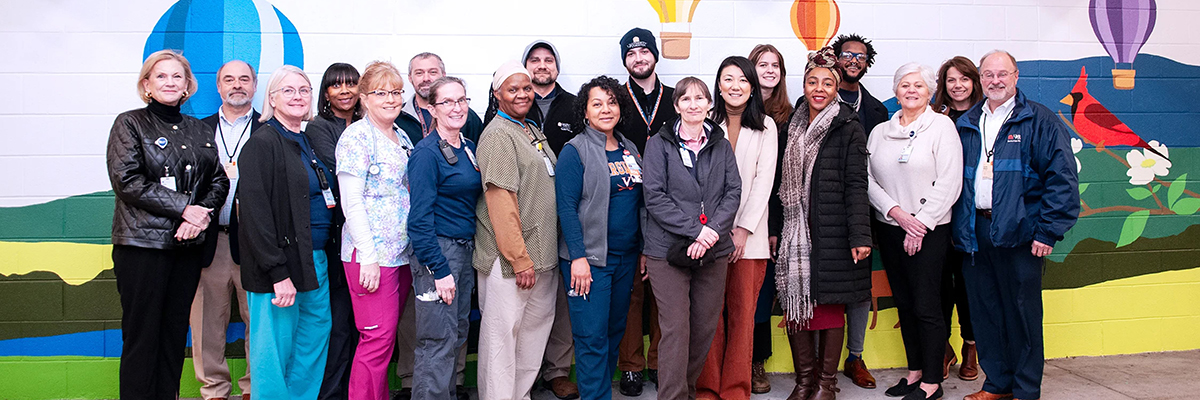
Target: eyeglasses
{"points": [[291, 91], [452, 103], [989, 75], [385, 93], [852, 56]]}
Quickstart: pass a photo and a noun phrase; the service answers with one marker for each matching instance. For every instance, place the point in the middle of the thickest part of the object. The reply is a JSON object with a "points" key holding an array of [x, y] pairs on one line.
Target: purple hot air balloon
{"points": [[1123, 26]]}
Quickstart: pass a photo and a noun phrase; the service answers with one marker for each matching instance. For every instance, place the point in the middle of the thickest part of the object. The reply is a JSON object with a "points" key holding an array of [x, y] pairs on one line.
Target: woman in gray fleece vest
{"points": [[692, 193]]}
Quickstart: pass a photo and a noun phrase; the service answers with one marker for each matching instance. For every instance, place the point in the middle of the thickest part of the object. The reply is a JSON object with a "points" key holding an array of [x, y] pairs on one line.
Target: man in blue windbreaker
{"points": [[1020, 196]]}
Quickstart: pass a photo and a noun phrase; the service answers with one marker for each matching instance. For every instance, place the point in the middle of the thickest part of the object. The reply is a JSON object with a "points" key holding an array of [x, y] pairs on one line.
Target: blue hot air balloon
{"points": [[1123, 26], [212, 32]]}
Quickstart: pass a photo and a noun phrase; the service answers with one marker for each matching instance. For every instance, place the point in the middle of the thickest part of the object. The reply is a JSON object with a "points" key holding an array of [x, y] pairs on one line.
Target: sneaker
{"points": [[631, 383]]}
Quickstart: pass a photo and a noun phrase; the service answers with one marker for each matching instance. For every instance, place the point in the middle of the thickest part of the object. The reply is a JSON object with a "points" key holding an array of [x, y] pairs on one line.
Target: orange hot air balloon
{"points": [[815, 22]]}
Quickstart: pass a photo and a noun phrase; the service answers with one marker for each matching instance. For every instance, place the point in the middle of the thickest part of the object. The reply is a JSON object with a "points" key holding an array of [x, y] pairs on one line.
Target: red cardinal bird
{"points": [[1098, 125]]}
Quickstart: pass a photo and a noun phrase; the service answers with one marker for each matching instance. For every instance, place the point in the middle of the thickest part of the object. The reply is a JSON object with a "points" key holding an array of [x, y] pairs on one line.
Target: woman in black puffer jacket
{"points": [[167, 179], [824, 228]]}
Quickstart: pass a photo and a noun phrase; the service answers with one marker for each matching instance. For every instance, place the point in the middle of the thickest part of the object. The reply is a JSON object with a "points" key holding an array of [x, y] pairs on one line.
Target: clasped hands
{"points": [[195, 220], [707, 238]]}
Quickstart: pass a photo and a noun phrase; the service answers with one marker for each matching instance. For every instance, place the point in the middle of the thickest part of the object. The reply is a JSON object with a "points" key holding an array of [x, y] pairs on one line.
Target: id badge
{"points": [[687, 157], [231, 170], [906, 153], [635, 171], [330, 201], [549, 165], [169, 182], [986, 171]]}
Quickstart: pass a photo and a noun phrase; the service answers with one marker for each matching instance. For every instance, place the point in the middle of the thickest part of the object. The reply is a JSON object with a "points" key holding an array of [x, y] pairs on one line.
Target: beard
{"points": [[643, 75], [242, 100], [853, 79], [542, 80]]}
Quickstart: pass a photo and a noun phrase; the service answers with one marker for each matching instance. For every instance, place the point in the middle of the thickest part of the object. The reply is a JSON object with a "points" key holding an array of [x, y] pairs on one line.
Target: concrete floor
{"points": [[1157, 376]]}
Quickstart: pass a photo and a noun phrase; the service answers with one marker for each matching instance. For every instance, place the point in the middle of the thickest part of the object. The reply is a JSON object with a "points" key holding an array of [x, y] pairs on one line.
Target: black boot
{"points": [[803, 345], [830, 356]]}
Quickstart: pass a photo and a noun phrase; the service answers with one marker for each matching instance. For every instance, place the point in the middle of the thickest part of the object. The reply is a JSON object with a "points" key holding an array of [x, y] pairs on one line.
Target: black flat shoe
{"points": [[903, 388], [920, 394]]}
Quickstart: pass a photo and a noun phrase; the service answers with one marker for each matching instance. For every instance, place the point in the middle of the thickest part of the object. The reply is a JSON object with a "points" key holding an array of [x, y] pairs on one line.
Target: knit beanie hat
{"points": [[542, 44], [638, 37], [509, 68]]}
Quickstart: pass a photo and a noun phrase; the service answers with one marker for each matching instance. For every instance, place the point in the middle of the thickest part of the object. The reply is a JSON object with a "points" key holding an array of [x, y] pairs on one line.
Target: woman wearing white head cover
{"points": [[915, 175], [516, 239]]}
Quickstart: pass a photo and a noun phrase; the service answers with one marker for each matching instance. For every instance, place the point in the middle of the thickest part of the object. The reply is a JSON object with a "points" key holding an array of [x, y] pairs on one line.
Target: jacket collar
{"points": [[668, 133], [1021, 111]]}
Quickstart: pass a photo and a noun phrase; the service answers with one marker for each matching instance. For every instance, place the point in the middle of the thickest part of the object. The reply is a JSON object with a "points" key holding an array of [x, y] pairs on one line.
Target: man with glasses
{"points": [[415, 118], [1016, 153], [855, 56], [232, 126]]}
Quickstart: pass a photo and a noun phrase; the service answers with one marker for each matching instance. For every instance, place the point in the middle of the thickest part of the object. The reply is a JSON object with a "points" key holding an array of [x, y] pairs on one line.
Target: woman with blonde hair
{"points": [[372, 160], [167, 179]]}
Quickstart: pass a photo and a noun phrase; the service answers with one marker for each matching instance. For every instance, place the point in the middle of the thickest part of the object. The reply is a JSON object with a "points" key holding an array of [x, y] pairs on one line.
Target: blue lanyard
{"points": [[504, 115]]}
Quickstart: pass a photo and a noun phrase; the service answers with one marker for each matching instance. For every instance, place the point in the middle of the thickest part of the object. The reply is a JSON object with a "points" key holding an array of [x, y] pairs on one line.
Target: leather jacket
{"points": [[144, 148]]}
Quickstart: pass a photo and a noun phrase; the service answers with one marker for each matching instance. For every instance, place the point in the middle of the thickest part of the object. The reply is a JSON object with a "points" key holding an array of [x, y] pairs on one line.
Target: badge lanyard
{"points": [[908, 150], [322, 180], [631, 165], [983, 134], [657, 102], [231, 169]]}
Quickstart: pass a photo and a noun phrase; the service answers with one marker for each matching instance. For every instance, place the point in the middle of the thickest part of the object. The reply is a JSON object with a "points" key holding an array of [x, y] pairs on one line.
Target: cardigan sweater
{"points": [[929, 181]]}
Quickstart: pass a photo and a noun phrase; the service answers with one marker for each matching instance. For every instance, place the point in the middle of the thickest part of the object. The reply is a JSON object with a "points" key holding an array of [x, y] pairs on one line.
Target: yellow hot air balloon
{"points": [[815, 22], [676, 19]]}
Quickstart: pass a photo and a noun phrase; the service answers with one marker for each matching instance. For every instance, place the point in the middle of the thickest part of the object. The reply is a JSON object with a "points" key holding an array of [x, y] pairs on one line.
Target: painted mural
{"points": [[1132, 261]]}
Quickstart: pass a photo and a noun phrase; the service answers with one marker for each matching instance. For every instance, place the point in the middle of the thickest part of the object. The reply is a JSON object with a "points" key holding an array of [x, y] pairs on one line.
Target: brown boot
{"points": [[759, 383], [969, 370], [803, 346], [830, 357], [950, 359]]}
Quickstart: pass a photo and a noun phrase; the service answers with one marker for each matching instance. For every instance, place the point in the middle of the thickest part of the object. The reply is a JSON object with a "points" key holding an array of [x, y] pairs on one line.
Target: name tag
{"points": [[635, 171], [330, 201], [231, 170], [906, 153], [985, 173], [549, 165], [169, 182], [687, 157]]}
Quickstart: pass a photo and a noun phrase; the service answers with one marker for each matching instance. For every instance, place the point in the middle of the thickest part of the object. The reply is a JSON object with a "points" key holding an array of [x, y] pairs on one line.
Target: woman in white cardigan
{"points": [[739, 109], [915, 175]]}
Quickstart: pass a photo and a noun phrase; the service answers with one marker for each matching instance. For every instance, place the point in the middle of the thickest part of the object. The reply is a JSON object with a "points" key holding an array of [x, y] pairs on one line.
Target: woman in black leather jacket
{"points": [[167, 179]]}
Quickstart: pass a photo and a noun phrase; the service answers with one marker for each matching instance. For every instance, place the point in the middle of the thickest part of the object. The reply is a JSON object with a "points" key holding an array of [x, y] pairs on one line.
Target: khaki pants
{"points": [[689, 305], [210, 320], [513, 332]]}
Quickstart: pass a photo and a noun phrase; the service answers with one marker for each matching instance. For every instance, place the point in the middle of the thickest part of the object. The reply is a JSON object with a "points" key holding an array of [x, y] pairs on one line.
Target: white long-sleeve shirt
{"points": [[929, 183]]}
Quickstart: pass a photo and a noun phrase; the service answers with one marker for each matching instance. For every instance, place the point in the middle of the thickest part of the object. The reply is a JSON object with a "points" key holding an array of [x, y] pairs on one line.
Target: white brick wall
{"points": [[67, 67]]}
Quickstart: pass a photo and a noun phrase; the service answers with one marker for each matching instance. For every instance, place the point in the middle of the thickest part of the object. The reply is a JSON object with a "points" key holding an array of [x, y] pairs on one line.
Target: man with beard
{"points": [[855, 55], [415, 119], [553, 113], [652, 100], [1008, 218], [232, 125]]}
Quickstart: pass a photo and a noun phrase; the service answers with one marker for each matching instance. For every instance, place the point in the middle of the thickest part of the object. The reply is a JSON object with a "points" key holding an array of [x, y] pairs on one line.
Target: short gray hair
{"points": [[998, 51], [422, 56], [928, 74], [268, 111]]}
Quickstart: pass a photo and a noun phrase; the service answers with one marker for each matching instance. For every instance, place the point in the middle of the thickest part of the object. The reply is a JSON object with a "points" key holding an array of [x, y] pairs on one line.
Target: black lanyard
{"points": [[983, 132], [237, 145]]}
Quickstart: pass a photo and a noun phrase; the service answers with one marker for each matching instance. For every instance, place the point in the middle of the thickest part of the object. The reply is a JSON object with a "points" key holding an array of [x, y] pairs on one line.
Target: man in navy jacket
{"points": [[1020, 196]]}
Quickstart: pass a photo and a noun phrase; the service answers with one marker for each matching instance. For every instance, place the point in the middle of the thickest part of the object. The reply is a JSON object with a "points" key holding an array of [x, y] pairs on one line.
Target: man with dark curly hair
{"points": [[855, 55]]}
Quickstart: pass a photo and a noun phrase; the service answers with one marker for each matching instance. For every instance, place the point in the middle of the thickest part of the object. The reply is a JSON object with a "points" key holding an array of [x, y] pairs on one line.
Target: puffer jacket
{"points": [[840, 217], [142, 148]]}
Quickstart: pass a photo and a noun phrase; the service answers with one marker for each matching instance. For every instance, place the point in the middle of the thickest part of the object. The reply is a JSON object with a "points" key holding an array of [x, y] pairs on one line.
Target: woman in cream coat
{"points": [[740, 112]]}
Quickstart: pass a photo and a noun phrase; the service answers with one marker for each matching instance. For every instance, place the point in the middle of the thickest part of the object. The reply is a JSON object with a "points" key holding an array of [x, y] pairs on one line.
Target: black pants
{"points": [[762, 316], [156, 289], [916, 288], [343, 335], [954, 293]]}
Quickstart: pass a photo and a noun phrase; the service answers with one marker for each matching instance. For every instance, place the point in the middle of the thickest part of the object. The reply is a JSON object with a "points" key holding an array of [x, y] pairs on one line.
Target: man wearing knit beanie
{"points": [[653, 100]]}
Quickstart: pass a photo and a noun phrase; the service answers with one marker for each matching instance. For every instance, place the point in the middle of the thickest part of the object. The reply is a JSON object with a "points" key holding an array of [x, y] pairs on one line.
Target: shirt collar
{"points": [[692, 143], [238, 120], [1002, 110]]}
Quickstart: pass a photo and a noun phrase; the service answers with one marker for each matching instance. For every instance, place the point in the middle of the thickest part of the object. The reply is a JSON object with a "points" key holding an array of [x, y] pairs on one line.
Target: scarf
{"points": [[793, 276]]}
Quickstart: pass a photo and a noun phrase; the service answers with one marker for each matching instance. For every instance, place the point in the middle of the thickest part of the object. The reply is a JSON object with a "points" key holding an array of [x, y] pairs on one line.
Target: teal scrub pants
{"points": [[288, 345]]}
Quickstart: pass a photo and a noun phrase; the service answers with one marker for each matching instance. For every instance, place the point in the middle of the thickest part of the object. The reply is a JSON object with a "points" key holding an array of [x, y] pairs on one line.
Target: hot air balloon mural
{"points": [[1123, 26], [815, 22], [676, 34]]}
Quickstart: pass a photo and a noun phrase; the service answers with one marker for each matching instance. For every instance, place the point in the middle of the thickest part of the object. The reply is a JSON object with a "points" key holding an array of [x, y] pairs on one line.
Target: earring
{"points": [[148, 96], [185, 94]]}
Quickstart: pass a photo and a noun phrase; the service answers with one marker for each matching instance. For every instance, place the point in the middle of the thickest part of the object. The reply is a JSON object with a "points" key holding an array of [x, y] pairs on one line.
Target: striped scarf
{"points": [[793, 276]]}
